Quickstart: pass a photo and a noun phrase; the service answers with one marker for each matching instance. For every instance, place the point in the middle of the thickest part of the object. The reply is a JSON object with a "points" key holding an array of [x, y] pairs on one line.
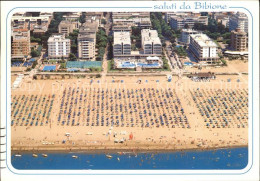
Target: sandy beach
{"points": [[179, 133]]}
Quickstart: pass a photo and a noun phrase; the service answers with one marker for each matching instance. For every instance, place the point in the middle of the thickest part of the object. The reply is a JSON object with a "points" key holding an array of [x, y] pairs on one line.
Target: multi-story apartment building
{"points": [[127, 15], [58, 46], [39, 30], [121, 28], [93, 19], [151, 43], [138, 19], [122, 43], [87, 41], [94, 16], [185, 35], [97, 15], [46, 14], [238, 21], [167, 15], [138, 22], [239, 40], [88, 28], [20, 43], [67, 27], [71, 16], [19, 20], [203, 48], [180, 21], [86, 46], [221, 17]]}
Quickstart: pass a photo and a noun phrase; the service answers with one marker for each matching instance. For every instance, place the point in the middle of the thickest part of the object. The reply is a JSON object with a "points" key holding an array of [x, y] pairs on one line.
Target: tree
{"points": [[62, 65], [99, 58], [53, 27], [133, 47], [37, 40], [35, 53], [73, 37], [101, 51], [74, 48], [103, 21], [164, 44], [181, 51], [34, 64], [72, 57], [82, 18], [224, 62], [101, 44], [214, 29]]}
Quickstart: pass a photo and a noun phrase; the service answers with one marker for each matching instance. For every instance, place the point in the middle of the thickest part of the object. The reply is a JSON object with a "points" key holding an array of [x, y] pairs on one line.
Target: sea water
{"points": [[234, 158]]}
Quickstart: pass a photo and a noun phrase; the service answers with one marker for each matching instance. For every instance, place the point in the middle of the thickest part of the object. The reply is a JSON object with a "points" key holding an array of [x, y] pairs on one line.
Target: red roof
{"points": [[20, 30]]}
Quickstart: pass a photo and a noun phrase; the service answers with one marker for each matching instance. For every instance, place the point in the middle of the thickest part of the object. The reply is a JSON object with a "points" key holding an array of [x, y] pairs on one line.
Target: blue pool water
{"points": [[235, 158], [49, 67], [147, 65], [71, 70], [128, 65], [188, 63]]}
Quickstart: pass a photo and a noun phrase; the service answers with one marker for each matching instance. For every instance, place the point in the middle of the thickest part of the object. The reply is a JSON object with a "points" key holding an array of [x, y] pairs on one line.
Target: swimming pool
{"points": [[188, 63], [127, 65], [49, 67], [72, 69], [148, 65]]}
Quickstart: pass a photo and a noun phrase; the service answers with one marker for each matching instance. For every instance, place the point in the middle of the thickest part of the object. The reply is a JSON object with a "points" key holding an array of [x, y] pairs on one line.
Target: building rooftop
{"points": [[89, 26], [86, 36], [189, 30], [150, 36], [122, 37], [186, 17], [58, 37], [72, 15], [20, 30], [203, 40], [22, 18], [239, 32]]}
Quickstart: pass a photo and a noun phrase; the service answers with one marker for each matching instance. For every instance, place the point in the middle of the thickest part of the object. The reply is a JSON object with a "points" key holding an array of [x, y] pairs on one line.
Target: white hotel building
{"points": [[151, 43], [58, 47], [203, 48], [238, 21], [185, 35], [122, 43]]}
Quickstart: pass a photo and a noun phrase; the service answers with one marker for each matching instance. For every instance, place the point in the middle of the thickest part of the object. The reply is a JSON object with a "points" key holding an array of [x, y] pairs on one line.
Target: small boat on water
{"points": [[44, 155], [109, 156], [34, 155], [74, 156], [17, 155], [118, 159]]}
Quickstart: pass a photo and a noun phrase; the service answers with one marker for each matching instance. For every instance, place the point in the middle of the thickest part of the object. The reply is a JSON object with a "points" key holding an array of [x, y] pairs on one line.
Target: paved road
{"points": [[174, 60], [35, 70]]}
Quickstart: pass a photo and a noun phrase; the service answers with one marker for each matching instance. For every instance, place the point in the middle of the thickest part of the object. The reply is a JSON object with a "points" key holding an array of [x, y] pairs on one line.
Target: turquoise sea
{"points": [[233, 158]]}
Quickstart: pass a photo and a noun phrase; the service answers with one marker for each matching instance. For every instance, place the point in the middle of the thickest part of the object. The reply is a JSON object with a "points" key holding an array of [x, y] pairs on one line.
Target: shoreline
{"points": [[101, 150]]}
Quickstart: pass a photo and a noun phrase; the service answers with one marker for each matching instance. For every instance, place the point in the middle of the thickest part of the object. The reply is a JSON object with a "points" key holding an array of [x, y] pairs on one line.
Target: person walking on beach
{"points": [[131, 136]]}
